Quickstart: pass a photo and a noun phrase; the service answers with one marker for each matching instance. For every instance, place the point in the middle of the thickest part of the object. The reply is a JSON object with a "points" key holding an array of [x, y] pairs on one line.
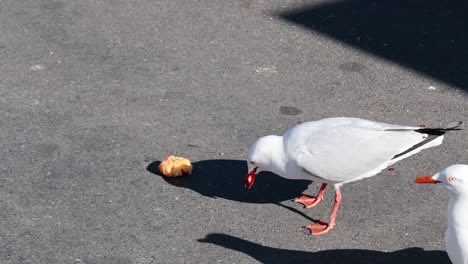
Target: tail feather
{"points": [[433, 133]]}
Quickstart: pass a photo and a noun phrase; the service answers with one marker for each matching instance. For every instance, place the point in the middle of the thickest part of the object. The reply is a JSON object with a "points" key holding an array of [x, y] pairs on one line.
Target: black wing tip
{"points": [[441, 131], [430, 138], [454, 126]]}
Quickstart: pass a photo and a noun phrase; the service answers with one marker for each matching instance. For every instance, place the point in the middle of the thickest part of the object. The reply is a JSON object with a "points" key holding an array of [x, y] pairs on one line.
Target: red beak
{"points": [[250, 178], [426, 179]]}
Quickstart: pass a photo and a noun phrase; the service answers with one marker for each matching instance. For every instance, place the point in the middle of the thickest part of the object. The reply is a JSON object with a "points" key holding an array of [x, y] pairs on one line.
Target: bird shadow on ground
{"points": [[267, 254], [426, 35], [224, 179]]}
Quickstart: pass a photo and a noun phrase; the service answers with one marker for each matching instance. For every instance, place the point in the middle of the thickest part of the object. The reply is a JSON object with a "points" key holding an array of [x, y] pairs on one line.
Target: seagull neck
{"points": [[457, 211], [278, 157]]}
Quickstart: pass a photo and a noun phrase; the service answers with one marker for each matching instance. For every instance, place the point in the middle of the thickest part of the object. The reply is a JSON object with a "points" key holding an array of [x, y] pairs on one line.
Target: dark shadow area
{"points": [[224, 179], [266, 254], [428, 36]]}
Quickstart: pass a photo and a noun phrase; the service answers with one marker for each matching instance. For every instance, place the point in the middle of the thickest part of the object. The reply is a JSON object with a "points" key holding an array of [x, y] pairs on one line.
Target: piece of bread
{"points": [[175, 166]]}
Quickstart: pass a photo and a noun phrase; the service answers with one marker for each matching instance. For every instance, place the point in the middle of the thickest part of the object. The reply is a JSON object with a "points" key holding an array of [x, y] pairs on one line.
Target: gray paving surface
{"points": [[94, 93]]}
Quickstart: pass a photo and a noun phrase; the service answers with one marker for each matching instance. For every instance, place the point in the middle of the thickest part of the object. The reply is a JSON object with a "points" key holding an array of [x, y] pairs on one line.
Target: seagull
{"points": [[336, 151], [454, 179]]}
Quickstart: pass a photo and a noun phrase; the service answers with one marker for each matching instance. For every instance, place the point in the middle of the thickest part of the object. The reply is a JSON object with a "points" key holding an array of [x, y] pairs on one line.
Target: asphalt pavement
{"points": [[94, 93]]}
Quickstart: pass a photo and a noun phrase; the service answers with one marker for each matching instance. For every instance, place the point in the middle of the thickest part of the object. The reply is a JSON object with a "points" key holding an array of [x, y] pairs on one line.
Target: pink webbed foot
{"points": [[311, 201], [308, 201], [320, 228]]}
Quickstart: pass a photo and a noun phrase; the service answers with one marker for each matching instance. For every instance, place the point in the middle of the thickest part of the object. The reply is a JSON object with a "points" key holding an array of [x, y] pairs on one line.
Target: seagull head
{"points": [[453, 178], [259, 158]]}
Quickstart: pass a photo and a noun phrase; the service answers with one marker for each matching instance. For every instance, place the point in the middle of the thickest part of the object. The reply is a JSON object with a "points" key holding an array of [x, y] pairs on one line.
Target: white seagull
{"points": [[454, 179], [337, 151]]}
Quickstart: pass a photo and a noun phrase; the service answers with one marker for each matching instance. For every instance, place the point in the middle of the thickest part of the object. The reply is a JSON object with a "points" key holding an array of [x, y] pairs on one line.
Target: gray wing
{"points": [[345, 153]]}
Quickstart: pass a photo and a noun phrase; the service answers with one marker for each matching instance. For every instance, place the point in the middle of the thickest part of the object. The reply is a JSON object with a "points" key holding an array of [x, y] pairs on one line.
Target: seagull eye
{"points": [[251, 162], [452, 179]]}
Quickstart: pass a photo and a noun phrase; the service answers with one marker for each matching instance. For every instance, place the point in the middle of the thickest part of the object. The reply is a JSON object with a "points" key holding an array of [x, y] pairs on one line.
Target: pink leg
{"points": [[311, 201], [321, 227]]}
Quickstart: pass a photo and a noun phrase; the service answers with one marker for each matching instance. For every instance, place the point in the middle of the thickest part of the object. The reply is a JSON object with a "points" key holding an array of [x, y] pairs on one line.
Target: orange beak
{"points": [[426, 179]]}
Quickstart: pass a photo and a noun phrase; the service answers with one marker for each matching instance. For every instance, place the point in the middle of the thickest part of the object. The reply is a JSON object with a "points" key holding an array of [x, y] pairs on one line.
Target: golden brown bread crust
{"points": [[175, 166]]}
